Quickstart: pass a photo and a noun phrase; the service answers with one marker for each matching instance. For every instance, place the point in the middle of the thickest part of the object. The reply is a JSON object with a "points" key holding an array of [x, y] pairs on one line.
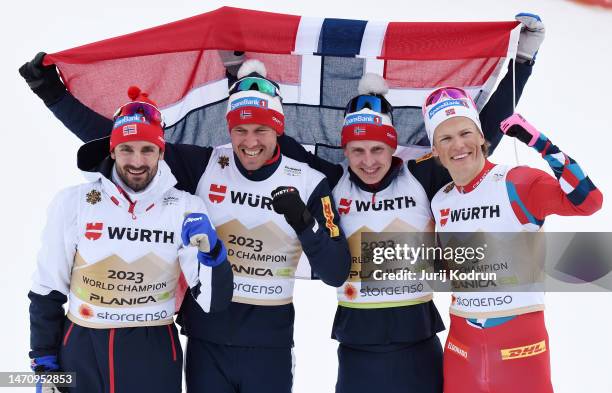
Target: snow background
{"points": [[570, 79]]}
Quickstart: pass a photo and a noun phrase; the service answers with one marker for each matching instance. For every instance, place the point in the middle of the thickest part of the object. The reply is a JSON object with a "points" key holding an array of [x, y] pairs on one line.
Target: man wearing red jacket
{"points": [[495, 346]]}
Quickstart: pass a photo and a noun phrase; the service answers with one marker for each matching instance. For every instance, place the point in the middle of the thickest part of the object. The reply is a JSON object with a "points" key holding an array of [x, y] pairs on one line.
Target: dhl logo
{"points": [[524, 352], [329, 217]]}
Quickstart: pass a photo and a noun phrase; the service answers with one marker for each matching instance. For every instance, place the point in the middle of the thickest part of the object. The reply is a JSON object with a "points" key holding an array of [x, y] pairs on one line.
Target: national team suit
{"points": [[116, 256], [498, 341]]}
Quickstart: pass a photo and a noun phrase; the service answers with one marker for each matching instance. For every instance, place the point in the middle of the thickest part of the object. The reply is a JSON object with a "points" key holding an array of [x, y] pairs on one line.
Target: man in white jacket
{"points": [[115, 248]]}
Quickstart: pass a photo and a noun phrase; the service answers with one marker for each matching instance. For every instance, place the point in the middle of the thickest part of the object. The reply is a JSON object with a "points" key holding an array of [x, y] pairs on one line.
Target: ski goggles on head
{"points": [[445, 93], [146, 110], [373, 102], [255, 83]]}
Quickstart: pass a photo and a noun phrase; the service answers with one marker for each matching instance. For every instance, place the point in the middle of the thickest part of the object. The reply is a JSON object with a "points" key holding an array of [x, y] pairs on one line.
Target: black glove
{"points": [[287, 201], [43, 80]]}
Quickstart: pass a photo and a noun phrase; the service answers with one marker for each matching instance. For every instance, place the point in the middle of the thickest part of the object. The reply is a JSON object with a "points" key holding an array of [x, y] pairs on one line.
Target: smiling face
{"points": [[458, 144], [136, 163], [254, 144], [369, 160]]}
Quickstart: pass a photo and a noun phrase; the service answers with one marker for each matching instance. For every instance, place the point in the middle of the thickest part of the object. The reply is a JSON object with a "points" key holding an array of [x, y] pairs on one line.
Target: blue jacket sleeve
{"points": [[324, 243], [82, 121], [500, 104], [293, 149], [47, 318], [222, 287], [215, 294]]}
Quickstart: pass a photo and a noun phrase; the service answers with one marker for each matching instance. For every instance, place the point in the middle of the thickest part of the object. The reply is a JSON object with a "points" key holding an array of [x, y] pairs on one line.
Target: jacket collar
{"points": [[97, 165], [396, 166], [475, 182], [265, 171]]}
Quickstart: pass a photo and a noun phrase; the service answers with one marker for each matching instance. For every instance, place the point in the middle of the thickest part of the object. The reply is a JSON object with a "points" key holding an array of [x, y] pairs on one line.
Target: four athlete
{"points": [[109, 262]]}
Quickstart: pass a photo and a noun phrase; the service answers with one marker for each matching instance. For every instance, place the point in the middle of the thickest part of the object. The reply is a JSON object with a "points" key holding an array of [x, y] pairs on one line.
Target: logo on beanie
{"points": [[359, 131], [450, 112], [249, 101], [362, 119], [130, 129], [445, 104], [246, 114], [129, 119]]}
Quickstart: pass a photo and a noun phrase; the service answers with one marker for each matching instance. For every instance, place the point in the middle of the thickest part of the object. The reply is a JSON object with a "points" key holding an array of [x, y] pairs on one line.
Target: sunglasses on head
{"points": [[375, 103], [445, 93], [255, 83], [148, 111]]}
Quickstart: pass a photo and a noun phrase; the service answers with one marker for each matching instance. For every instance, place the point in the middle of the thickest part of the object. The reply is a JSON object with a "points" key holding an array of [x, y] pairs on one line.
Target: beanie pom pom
{"points": [[372, 83], [250, 66], [133, 92]]}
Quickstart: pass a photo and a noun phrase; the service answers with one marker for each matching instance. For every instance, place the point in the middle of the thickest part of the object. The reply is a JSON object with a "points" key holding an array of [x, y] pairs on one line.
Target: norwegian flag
{"points": [[129, 129], [317, 61], [359, 131], [246, 114]]}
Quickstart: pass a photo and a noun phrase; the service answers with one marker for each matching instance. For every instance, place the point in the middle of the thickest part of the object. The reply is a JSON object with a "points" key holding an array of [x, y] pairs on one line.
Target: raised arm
{"points": [[500, 105], [434, 176], [45, 82], [535, 194]]}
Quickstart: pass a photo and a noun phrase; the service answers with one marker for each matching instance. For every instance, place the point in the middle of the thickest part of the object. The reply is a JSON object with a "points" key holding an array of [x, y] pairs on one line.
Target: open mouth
{"points": [[252, 152], [369, 171], [460, 157], [136, 172]]}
